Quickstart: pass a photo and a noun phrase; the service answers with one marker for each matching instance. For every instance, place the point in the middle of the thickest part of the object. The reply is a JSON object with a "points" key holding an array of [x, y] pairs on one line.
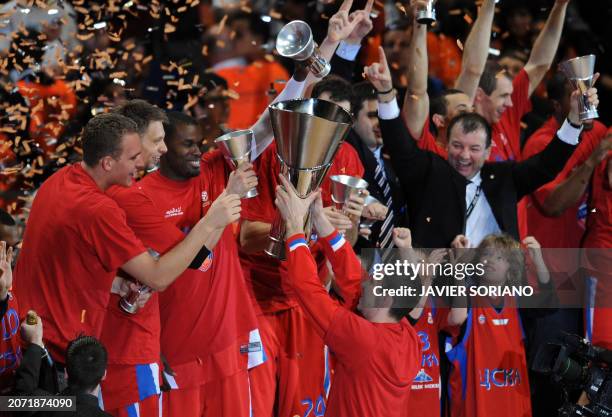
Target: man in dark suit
{"points": [[383, 184], [85, 367], [465, 195]]}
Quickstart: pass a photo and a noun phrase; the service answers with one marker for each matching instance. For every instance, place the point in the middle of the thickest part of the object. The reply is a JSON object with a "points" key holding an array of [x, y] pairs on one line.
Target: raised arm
{"points": [[545, 47], [416, 101], [312, 296], [344, 262], [570, 191], [532, 173], [476, 50], [410, 163], [161, 273]]}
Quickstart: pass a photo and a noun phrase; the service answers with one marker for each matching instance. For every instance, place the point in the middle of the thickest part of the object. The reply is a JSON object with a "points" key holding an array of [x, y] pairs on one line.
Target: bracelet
{"points": [[574, 125], [382, 93]]}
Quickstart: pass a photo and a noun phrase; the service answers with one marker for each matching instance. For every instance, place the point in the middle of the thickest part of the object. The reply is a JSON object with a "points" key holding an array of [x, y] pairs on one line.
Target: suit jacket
{"points": [[436, 191], [27, 383]]}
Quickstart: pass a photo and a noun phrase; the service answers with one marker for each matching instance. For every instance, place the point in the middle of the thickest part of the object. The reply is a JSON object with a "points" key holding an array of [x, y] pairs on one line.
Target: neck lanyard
{"points": [[472, 205]]}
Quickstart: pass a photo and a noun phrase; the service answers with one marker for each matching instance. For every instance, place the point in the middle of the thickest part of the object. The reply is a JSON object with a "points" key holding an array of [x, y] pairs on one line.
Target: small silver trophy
{"points": [[344, 187], [426, 15], [367, 223], [129, 303], [580, 71], [236, 147], [295, 41]]}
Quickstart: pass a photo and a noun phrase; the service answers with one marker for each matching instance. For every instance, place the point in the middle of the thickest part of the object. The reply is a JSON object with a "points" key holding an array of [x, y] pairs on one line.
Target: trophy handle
{"points": [[317, 64], [276, 244]]}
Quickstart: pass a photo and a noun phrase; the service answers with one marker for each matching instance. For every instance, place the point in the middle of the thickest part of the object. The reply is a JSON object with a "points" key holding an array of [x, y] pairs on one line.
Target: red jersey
{"points": [[132, 340], [506, 143], [211, 304], [425, 392], [428, 142], [10, 349], [262, 272], [566, 230], [76, 239], [488, 373], [375, 362], [599, 220]]}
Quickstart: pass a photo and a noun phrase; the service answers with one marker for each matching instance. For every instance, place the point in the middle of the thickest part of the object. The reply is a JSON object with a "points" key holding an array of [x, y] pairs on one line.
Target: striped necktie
{"points": [[386, 230]]}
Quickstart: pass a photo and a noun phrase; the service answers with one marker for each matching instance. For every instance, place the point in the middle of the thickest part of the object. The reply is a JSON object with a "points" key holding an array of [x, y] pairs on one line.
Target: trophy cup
{"points": [[129, 303], [580, 71], [366, 223], [344, 187], [236, 147], [427, 15], [308, 134], [295, 41]]}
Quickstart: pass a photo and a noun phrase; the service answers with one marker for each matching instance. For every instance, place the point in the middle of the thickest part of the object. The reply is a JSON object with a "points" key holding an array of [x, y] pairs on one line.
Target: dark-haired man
{"points": [[503, 101], [134, 368], [77, 237], [383, 185], [86, 360], [465, 195], [208, 304], [418, 113]]}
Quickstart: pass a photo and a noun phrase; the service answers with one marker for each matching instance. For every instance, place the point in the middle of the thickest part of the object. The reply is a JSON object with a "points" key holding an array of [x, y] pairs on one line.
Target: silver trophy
{"points": [[365, 222], [308, 134], [295, 41], [580, 73], [344, 187], [426, 15], [236, 147], [129, 303]]}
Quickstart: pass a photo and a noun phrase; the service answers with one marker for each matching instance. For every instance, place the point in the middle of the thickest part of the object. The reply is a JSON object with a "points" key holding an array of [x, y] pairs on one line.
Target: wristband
{"points": [[382, 93]]}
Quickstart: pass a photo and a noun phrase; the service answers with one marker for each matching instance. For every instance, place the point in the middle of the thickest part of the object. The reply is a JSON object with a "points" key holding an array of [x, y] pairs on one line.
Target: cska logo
{"points": [[207, 263], [499, 377]]}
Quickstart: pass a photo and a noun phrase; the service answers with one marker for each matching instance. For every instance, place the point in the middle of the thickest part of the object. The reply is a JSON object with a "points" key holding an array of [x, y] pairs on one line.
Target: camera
{"points": [[577, 364]]}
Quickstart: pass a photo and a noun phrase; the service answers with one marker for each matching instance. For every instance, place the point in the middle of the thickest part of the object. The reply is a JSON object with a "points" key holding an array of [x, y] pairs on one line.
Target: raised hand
{"points": [[379, 74], [292, 208], [32, 333], [341, 25], [460, 242], [223, 211], [533, 246], [592, 99], [354, 206], [364, 26], [242, 180], [375, 211], [402, 237]]}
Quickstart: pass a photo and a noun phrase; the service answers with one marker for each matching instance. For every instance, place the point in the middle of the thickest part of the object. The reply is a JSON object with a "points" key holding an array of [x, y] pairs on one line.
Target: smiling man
{"points": [[465, 194], [149, 119], [77, 238]]}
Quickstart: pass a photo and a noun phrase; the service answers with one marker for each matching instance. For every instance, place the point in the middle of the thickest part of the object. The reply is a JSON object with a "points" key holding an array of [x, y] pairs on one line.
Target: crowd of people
{"points": [[134, 268]]}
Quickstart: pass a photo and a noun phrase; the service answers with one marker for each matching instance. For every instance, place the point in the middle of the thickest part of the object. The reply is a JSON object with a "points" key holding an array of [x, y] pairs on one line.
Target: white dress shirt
{"points": [[481, 221]]}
